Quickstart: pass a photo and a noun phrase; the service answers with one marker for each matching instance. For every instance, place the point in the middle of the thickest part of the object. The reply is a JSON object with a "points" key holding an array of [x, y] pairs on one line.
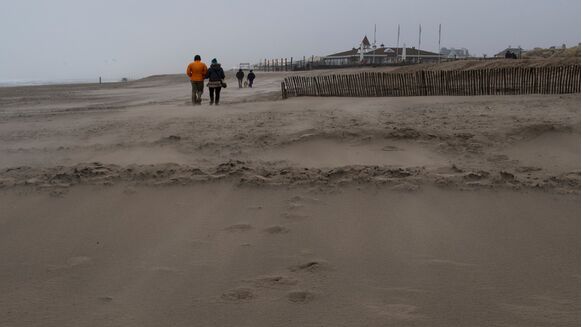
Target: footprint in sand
{"points": [[243, 227], [300, 296], [239, 294], [276, 230], [391, 148], [311, 266]]}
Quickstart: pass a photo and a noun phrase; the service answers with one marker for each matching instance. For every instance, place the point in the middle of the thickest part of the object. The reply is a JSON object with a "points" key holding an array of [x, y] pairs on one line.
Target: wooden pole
{"points": [[577, 79]]}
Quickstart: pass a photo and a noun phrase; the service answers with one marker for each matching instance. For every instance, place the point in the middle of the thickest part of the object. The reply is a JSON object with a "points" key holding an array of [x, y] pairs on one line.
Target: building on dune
{"points": [[368, 53], [517, 52], [455, 53]]}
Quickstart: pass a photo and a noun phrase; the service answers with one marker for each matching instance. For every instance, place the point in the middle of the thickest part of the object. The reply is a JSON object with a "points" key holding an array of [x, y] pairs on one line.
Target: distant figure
{"points": [[215, 77], [508, 55], [239, 76], [197, 72], [251, 77]]}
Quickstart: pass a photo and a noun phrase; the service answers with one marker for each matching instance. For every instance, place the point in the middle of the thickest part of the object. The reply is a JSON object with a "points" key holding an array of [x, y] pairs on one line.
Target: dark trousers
{"points": [[197, 90], [251, 82], [240, 83], [214, 94]]}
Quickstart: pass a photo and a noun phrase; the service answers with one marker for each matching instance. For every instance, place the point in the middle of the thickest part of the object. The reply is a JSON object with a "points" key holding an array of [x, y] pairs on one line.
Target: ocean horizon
{"points": [[32, 82]]}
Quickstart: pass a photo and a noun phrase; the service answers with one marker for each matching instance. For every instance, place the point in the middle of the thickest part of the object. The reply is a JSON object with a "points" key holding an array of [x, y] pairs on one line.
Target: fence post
{"points": [[283, 90]]}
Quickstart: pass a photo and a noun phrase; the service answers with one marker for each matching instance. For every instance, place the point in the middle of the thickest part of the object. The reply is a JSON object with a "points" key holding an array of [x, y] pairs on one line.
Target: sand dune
{"points": [[124, 205]]}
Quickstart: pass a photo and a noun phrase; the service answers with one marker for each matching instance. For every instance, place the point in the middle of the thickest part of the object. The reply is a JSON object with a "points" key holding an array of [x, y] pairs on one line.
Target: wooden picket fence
{"points": [[498, 81]]}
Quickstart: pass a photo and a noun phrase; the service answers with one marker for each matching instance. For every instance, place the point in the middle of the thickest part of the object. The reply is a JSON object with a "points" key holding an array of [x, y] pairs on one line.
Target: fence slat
{"points": [[553, 80], [562, 79]]}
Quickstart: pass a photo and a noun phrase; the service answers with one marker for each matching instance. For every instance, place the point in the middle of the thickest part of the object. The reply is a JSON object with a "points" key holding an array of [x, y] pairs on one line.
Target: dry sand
{"points": [[123, 205]]}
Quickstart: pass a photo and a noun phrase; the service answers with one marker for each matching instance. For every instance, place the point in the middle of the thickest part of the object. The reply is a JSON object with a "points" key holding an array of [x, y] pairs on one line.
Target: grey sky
{"points": [[57, 39]]}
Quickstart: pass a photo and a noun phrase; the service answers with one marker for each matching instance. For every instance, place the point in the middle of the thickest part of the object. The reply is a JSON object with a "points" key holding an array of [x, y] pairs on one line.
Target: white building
{"points": [[455, 53]]}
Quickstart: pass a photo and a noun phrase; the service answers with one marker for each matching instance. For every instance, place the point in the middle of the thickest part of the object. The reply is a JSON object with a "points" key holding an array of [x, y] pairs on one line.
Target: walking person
{"points": [[215, 77], [251, 77], [196, 71], [239, 76]]}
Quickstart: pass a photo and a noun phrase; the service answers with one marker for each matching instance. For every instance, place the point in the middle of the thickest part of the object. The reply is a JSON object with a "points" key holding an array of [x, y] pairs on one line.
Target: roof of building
{"points": [[348, 53], [365, 41], [387, 51], [416, 52], [382, 51]]}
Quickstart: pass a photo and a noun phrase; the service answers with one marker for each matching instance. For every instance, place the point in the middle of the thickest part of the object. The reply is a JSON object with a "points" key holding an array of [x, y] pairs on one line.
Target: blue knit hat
{"points": [[214, 61]]}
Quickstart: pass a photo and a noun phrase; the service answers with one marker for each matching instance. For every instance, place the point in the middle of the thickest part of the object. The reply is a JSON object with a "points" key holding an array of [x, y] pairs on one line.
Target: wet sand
{"points": [[124, 205]]}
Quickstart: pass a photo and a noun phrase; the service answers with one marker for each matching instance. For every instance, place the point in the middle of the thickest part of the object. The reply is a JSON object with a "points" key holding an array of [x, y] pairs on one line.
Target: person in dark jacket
{"points": [[239, 76], [251, 77], [215, 77]]}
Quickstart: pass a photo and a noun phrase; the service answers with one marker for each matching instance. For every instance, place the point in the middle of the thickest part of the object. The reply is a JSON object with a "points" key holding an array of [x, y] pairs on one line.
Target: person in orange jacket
{"points": [[196, 71]]}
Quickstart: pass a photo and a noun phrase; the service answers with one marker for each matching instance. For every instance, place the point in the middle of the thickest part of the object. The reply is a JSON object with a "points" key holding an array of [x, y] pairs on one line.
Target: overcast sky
{"points": [[61, 39]]}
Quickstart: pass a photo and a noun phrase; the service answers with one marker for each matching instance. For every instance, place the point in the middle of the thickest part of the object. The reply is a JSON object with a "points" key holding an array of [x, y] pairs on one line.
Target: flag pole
{"points": [[418, 50], [419, 35], [398, 43], [439, 43]]}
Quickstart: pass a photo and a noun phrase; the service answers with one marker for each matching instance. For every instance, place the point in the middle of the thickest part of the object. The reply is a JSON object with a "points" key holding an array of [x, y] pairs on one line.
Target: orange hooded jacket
{"points": [[196, 71]]}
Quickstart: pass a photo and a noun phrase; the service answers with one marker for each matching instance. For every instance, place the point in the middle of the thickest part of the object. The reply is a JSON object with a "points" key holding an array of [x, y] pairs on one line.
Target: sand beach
{"points": [[124, 205]]}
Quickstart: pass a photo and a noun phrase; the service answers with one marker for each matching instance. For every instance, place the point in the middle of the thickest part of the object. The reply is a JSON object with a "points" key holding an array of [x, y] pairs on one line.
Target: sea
{"points": [[26, 82]]}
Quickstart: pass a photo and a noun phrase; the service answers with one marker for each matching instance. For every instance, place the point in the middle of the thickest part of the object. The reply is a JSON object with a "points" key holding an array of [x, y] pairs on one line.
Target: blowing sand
{"points": [[123, 205]]}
